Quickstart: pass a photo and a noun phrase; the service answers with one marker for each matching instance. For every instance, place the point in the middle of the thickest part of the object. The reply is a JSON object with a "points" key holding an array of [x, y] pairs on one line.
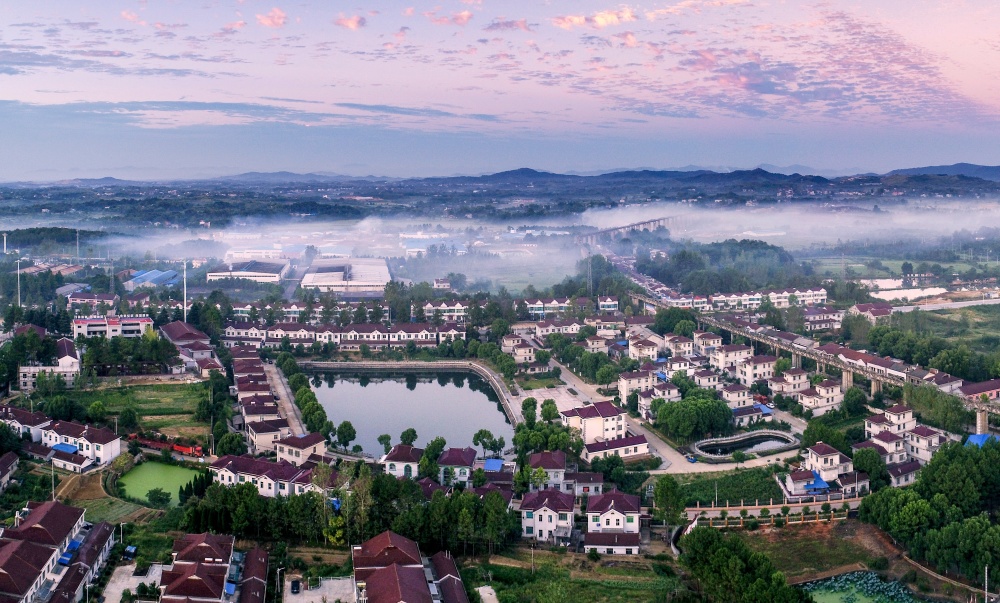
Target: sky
{"points": [[191, 89]]}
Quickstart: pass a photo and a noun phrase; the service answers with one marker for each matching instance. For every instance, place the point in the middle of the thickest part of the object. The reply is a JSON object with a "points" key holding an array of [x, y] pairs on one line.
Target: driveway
{"points": [[122, 579], [328, 590]]}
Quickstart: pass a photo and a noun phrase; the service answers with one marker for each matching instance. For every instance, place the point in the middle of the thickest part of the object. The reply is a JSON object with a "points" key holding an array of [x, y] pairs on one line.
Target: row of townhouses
{"points": [[349, 337], [69, 445]]}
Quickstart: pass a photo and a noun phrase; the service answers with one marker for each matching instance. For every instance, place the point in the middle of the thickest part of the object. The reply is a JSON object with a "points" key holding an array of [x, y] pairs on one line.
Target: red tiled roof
{"points": [[386, 549], [553, 500], [613, 500], [611, 539], [401, 453], [398, 584], [616, 444], [199, 547], [554, 459]]}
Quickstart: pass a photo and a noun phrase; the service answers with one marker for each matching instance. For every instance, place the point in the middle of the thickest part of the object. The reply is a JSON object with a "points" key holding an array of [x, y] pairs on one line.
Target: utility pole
{"points": [[52, 465], [77, 244], [18, 281], [185, 301]]}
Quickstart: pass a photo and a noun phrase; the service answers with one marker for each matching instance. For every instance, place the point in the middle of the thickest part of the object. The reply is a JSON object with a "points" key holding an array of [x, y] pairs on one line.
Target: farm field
{"points": [[732, 486], [167, 408]]}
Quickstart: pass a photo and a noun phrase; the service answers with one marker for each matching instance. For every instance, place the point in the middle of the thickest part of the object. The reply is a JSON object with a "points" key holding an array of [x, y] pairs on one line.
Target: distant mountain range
{"points": [[986, 172], [761, 175]]}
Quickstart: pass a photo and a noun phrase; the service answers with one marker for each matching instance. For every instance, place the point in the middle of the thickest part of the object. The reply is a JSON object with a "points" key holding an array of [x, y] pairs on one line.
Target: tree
{"points": [[483, 437], [606, 374], [498, 329], [685, 328], [346, 434], [529, 408], [122, 463], [549, 410], [408, 437], [158, 497], [739, 457], [782, 365], [869, 461], [386, 441], [231, 443], [538, 477], [855, 401], [10, 441], [97, 412], [668, 500]]}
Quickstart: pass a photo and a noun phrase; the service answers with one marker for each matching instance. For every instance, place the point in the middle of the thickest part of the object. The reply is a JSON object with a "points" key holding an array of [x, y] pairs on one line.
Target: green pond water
{"points": [[859, 587], [143, 478]]}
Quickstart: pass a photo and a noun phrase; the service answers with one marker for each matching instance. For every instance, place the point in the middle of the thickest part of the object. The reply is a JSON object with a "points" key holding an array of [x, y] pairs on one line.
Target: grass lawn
{"points": [[530, 384], [733, 486], [143, 478], [168, 408], [813, 548]]}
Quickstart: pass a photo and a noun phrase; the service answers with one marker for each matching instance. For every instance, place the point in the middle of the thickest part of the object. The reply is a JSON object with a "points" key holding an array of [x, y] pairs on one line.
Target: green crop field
{"points": [[168, 408], [744, 484]]}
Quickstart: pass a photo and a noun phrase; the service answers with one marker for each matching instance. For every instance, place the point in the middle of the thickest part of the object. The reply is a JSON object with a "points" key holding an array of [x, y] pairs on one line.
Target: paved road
{"points": [[798, 425], [286, 403], [949, 305]]}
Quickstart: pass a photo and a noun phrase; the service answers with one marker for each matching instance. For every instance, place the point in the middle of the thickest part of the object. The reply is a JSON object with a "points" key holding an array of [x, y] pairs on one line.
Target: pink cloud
{"points": [[353, 23], [628, 39], [274, 19], [598, 20], [401, 34], [131, 17], [455, 19], [408, 12], [231, 28]]}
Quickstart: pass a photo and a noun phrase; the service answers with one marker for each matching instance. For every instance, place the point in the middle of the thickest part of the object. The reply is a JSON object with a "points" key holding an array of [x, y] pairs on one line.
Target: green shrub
{"points": [[593, 555]]}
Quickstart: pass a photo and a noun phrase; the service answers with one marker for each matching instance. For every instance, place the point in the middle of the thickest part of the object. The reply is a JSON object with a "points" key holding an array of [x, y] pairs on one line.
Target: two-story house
{"points": [[25, 422], [756, 368], [553, 462], [547, 516], [705, 342], [707, 379], [613, 524], [789, 383], [642, 350], [822, 397], [99, 445], [600, 421], [736, 395], [455, 465], [679, 345], [402, 461], [922, 442], [635, 381], [297, 449], [726, 356]]}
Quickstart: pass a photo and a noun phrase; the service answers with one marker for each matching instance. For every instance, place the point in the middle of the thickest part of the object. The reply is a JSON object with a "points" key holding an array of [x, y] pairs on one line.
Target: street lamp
{"points": [[278, 591]]}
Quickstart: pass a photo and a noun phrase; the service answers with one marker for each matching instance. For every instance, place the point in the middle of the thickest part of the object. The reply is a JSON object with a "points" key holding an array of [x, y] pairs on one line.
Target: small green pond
{"points": [[859, 587], [143, 478]]}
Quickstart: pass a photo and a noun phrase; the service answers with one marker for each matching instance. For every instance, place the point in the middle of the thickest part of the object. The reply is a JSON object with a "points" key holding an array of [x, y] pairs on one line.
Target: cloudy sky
{"points": [[179, 88]]}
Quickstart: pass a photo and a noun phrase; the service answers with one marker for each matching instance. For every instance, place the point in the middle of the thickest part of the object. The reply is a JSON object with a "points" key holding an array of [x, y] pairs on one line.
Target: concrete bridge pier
{"points": [[982, 421], [846, 380], [796, 360], [876, 386]]}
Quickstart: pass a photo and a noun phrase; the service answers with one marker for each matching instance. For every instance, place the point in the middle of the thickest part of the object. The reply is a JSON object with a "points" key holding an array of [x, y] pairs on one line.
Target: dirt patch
{"points": [[318, 555], [89, 486]]}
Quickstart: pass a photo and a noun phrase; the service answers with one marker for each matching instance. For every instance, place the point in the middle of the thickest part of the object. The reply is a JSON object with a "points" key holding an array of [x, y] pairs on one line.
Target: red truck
{"points": [[195, 451]]}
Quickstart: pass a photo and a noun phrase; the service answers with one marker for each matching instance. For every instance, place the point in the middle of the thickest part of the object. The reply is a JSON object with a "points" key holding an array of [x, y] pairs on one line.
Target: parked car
{"points": [[296, 587]]}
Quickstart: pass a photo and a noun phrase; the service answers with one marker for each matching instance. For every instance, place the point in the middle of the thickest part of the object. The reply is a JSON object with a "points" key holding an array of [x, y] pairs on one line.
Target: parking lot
{"points": [[330, 590]]}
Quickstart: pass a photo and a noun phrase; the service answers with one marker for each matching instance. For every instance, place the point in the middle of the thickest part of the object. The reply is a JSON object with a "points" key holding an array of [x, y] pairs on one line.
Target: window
{"points": [[630, 519], [529, 514], [597, 519], [607, 521], [628, 551], [529, 530], [610, 551], [563, 516], [618, 521]]}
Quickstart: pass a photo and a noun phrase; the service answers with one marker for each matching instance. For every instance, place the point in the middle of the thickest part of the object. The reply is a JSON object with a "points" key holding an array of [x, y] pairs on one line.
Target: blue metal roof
{"points": [[73, 545], [818, 483], [68, 448], [980, 439], [493, 465], [764, 409], [230, 588]]}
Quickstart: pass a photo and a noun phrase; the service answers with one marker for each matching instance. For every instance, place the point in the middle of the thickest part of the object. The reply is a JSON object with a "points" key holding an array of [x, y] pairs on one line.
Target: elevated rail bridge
{"points": [[650, 225]]}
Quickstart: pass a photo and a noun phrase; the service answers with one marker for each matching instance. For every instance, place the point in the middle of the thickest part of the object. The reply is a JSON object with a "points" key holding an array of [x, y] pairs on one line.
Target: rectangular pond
{"points": [[454, 405], [143, 478]]}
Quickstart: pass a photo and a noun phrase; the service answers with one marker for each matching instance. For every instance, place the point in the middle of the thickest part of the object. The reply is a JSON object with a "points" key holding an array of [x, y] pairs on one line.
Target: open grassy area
{"points": [[143, 478], [570, 577], [816, 547], [168, 408], [976, 326], [733, 486]]}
